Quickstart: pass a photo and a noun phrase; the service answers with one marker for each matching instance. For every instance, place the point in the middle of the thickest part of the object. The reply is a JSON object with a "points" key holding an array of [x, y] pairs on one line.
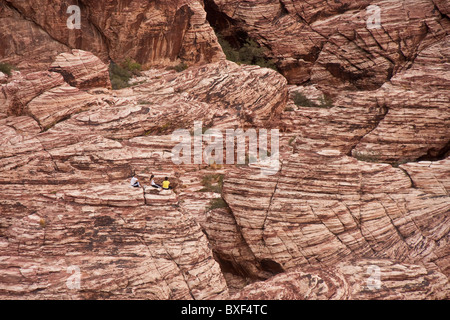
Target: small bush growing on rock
{"points": [[6, 68], [132, 66], [291, 140], [249, 53], [180, 67], [216, 204], [164, 128], [214, 166], [141, 102], [120, 75], [212, 183], [301, 100]]}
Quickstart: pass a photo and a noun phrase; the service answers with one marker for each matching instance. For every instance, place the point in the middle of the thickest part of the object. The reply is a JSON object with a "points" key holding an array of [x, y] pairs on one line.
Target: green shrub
{"points": [[216, 204], [6, 68], [180, 67], [231, 53], [249, 53], [120, 75], [140, 102], [132, 66], [301, 100], [291, 140], [325, 102], [212, 183]]}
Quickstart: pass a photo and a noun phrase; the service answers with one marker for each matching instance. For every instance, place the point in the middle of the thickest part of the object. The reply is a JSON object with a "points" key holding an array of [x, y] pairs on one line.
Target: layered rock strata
{"points": [[345, 44], [164, 33], [351, 281]]}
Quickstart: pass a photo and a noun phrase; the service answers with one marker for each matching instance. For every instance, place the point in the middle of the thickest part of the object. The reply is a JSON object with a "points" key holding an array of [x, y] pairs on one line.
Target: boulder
{"points": [[82, 69]]}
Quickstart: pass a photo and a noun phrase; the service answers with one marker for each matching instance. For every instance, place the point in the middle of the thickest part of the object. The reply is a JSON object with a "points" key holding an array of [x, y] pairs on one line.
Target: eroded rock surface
{"points": [[161, 33], [359, 209], [362, 186], [66, 163], [335, 44], [82, 69], [353, 281]]}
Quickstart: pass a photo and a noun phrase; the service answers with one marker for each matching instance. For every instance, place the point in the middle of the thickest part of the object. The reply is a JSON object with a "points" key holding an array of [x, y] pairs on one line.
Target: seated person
{"points": [[153, 184], [134, 182], [166, 183]]}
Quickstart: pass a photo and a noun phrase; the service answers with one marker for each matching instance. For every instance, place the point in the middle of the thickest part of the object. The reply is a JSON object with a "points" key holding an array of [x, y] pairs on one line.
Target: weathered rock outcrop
{"points": [[67, 202], [416, 124], [337, 43], [407, 119], [66, 199], [135, 251], [161, 33], [360, 280], [16, 129], [323, 208], [363, 184], [173, 101], [20, 90], [82, 69], [21, 37], [47, 96], [430, 176]]}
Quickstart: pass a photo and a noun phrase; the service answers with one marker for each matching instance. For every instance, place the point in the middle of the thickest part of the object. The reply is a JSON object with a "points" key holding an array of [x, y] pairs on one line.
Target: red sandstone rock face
{"points": [[153, 33], [404, 120], [416, 124], [351, 281], [329, 43], [22, 38], [363, 184], [82, 69], [63, 174], [324, 208], [20, 90]]}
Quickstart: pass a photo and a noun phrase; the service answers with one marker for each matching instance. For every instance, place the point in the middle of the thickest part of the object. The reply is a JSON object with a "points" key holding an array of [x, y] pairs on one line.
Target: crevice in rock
{"points": [[271, 266], [143, 194], [142, 240], [55, 166], [260, 269], [436, 155], [231, 266], [413, 185], [104, 38], [224, 25], [283, 10], [378, 119], [183, 274], [271, 198]]}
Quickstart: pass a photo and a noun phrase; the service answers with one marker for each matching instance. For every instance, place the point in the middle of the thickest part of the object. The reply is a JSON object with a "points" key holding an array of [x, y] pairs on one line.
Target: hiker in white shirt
{"points": [[135, 182], [153, 183]]}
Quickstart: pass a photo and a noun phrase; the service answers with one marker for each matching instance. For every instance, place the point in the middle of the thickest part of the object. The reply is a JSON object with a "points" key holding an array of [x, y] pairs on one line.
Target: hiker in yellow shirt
{"points": [[166, 183]]}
